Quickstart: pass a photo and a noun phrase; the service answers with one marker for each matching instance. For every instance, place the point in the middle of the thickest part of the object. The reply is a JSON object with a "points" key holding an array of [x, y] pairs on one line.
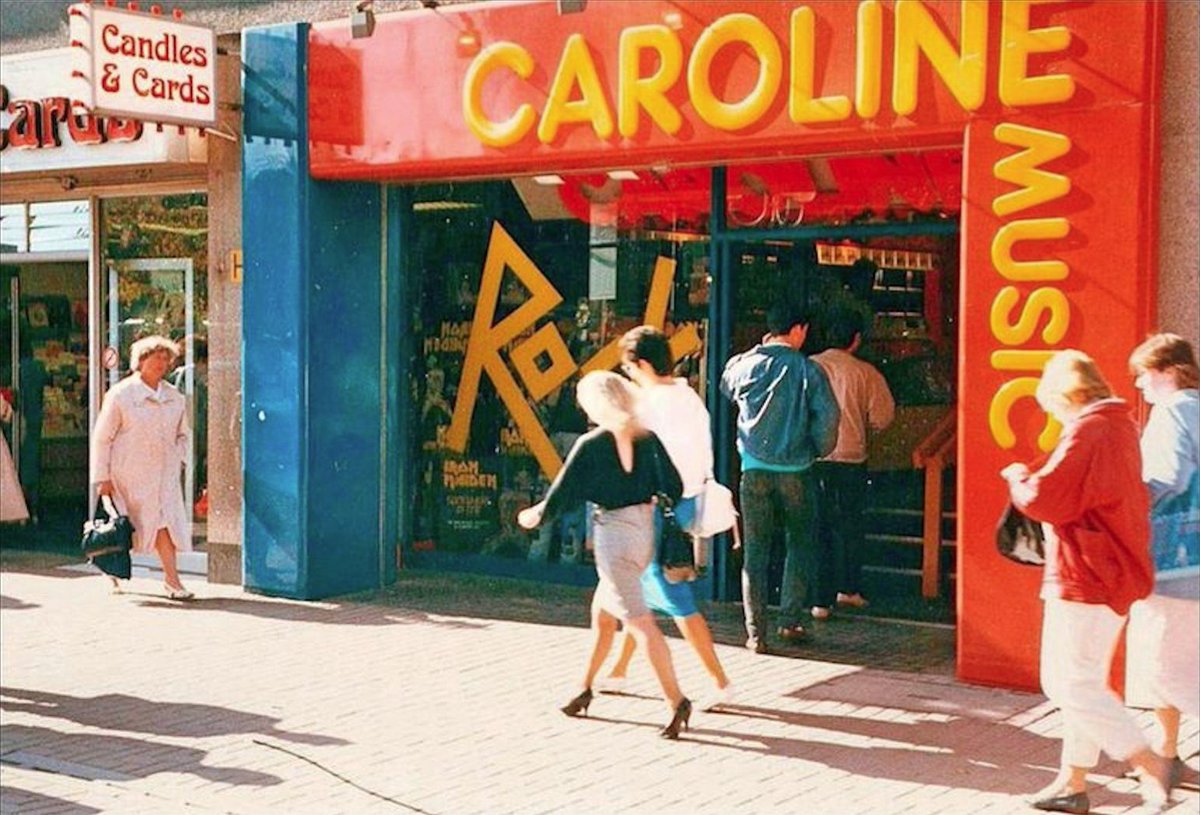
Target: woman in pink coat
{"points": [[139, 448]]}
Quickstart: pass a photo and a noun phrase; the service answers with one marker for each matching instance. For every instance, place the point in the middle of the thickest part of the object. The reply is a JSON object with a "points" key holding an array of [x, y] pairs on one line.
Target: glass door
{"points": [[153, 275], [154, 296]]}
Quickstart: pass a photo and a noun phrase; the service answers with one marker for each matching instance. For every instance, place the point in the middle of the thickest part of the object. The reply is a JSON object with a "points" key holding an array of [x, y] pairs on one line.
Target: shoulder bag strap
{"points": [[664, 500]]}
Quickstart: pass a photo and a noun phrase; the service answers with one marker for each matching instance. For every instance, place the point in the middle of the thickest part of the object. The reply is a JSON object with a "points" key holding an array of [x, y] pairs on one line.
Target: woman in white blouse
{"points": [[139, 448], [1165, 367]]}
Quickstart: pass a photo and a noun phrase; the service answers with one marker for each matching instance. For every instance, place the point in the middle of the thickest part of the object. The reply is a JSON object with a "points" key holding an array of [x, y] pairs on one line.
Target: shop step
{"points": [[886, 551], [906, 522], [891, 581], [191, 563]]}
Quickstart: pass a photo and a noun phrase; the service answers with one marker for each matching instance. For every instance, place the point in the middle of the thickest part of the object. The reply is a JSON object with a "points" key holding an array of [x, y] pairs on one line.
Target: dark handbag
{"points": [[108, 539], [676, 552], [1019, 538]]}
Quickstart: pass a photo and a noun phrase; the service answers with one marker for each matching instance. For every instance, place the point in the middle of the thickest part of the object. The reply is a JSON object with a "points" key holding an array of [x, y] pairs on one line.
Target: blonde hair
{"points": [[1071, 377], [1167, 352], [148, 346], [608, 400]]}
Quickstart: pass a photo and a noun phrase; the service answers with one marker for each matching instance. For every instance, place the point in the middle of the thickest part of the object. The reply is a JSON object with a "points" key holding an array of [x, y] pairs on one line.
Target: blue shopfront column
{"points": [[319, 383]]}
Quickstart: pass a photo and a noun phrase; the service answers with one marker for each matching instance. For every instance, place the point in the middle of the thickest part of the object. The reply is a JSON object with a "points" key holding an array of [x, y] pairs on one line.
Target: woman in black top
{"points": [[619, 467]]}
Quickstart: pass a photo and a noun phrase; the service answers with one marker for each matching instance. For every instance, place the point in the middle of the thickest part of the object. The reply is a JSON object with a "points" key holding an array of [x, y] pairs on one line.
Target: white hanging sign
{"points": [[44, 129], [144, 66]]}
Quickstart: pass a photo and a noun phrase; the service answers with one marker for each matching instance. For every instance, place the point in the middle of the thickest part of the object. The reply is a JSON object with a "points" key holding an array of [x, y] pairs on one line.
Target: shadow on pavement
{"points": [[14, 799], [957, 752], [78, 754], [114, 711], [11, 603], [467, 601], [302, 612], [921, 696]]}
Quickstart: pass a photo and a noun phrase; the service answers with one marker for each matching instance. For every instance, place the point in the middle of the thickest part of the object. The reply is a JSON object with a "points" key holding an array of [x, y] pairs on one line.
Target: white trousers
{"points": [[1165, 651], [1078, 641]]}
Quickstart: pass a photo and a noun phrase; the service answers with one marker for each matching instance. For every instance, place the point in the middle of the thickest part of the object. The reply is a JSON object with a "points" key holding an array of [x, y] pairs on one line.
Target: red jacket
{"points": [[1091, 494]]}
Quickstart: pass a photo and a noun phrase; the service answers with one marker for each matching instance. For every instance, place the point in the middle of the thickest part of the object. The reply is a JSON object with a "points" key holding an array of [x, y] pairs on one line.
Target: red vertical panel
{"points": [[1107, 287]]}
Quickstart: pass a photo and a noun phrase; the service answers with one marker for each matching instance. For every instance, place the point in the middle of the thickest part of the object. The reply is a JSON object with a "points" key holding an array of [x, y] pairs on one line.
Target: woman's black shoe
{"points": [[1075, 803], [579, 705], [683, 712]]}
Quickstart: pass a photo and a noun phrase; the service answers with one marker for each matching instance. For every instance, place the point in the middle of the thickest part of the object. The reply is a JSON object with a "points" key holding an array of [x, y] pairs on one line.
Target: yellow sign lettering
{"points": [[1000, 409], [1044, 300], [576, 69], [744, 28], [964, 71], [1017, 42], [802, 106], [513, 129], [637, 92], [1033, 229], [868, 59], [1037, 186]]}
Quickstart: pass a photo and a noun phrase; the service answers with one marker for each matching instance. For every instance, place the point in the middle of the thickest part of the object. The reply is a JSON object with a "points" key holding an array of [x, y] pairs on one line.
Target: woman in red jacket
{"points": [[1090, 497]]}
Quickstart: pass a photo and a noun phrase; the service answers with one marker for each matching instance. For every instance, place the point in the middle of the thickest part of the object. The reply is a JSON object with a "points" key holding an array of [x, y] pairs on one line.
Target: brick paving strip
{"points": [[236, 703]]}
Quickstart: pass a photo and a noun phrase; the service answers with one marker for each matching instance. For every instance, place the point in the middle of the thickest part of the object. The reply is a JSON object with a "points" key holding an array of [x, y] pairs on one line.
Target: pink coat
{"points": [[1091, 494], [140, 443]]}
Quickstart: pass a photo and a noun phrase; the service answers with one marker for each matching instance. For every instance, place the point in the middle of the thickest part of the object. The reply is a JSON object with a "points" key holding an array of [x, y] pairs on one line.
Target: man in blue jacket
{"points": [[787, 418]]}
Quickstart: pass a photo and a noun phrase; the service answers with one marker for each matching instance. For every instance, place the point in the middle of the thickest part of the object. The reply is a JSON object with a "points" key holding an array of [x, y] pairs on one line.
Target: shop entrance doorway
{"points": [[875, 235], [152, 280], [146, 296], [44, 369]]}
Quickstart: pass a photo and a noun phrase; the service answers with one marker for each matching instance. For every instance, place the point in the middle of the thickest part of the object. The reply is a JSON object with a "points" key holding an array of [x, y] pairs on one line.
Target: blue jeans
{"points": [[771, 500]]}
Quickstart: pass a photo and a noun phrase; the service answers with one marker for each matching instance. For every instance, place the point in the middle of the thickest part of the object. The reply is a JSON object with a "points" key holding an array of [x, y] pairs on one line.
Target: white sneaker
{"points": [[821, 612], [611, 684], [855, 600], [717, 697]]}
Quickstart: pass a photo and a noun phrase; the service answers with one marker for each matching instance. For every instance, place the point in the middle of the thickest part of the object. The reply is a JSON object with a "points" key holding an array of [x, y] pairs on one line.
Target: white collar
{"points": [[158, 394]]}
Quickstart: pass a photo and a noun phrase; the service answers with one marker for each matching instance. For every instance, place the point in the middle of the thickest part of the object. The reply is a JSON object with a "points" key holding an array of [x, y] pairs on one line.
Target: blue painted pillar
{"points": [[317, 365]]}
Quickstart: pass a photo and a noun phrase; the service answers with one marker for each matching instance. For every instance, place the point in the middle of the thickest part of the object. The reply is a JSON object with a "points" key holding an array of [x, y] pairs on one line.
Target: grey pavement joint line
{"points": [[341, 777]]}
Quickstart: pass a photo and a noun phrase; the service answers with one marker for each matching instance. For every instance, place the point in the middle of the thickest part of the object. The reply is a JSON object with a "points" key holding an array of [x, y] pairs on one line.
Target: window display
{"points": [[528, 285], [521, 286]]}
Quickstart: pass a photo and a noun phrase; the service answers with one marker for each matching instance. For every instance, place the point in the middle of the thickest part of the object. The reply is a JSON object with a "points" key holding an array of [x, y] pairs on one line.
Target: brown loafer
{"points": [[792, 633]]}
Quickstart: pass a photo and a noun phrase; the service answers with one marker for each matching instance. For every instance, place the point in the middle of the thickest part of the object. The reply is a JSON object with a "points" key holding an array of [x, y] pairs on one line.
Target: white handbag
{"points": [[716, 513]]}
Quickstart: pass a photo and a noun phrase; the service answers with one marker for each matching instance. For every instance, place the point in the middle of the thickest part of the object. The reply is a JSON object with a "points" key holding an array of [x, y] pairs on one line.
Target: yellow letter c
{"points": [[513, 129]]}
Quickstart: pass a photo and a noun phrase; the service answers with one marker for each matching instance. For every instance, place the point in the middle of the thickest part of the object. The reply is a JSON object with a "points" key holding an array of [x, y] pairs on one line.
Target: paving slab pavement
{"points": [[236, 703]]}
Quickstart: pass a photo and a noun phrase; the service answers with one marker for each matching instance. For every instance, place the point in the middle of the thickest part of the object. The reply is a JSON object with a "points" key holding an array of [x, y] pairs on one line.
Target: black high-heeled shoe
{"points": [[578, 705], [683, 712]]}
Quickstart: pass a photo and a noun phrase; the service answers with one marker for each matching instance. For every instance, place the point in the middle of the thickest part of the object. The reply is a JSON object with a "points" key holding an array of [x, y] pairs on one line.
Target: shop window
{"points": [[565, 265], [43, 307], [48, 384], [51, 226]]}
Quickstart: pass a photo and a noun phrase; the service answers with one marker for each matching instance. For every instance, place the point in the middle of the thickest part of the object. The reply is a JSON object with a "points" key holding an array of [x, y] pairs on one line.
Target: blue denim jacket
{"points": [[787, 413]]}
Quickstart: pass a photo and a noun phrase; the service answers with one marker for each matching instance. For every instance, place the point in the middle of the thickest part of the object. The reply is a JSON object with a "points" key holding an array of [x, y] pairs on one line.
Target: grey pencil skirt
{"points": [[624, 544]]}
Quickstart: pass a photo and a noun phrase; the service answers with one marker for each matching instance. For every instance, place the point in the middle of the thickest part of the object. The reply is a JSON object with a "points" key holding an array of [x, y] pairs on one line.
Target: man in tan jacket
{"points": [[867, 406]]}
